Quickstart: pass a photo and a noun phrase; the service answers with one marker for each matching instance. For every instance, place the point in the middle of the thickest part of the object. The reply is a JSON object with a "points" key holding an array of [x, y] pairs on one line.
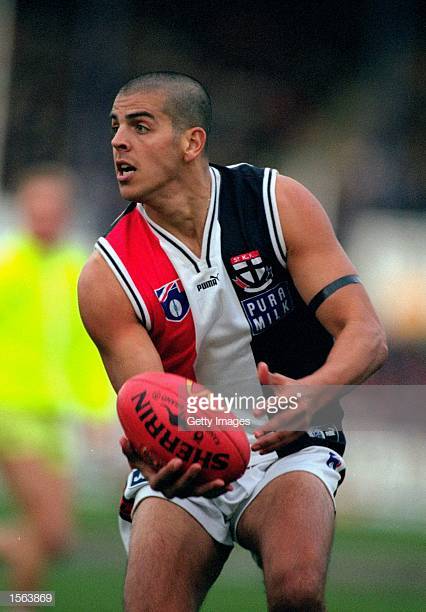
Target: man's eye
{"points": [[114, 129], [141, 128]]}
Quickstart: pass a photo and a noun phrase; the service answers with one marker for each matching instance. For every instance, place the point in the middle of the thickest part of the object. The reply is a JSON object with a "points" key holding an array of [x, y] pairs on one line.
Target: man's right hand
{"points": [[170, 479]]}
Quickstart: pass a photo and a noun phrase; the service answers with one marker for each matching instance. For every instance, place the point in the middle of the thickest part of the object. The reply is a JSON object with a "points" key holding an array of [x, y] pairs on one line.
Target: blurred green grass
{"points": [[372, 569]]}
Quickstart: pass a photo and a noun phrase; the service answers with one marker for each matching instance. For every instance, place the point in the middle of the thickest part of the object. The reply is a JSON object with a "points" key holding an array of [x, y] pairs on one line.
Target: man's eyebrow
{"points": [[135, 115]]}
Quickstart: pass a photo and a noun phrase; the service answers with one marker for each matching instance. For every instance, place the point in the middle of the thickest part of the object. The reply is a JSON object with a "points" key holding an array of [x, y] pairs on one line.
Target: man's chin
{"points": [[128, 193]]}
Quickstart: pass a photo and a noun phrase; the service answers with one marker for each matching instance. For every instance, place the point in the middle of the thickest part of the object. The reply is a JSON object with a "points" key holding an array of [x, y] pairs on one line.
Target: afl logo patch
{"points": [[250, 272], [173, 300]]}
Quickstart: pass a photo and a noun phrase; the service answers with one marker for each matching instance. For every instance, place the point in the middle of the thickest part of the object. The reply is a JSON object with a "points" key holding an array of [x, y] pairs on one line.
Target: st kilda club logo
{"points": [[167, 439], [250, 273]]}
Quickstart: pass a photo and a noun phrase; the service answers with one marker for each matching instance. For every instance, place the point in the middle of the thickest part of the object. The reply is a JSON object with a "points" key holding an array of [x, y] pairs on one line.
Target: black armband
{"points": [[328, 290]]}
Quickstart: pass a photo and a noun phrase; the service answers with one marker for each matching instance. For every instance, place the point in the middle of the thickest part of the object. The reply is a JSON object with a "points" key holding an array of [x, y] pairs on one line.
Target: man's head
{"points": [[186, 102], [160, 122], [44, 195]]}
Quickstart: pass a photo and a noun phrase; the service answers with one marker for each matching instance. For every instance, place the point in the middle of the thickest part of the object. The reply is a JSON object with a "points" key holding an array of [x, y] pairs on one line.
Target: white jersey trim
{"points": [[239, 164], [163, 234], [272, 215], [212, 216], [123, 277]]}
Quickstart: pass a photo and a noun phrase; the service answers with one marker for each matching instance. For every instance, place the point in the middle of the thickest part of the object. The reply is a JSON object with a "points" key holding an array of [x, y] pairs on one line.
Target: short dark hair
{"points": [[187, 102]]}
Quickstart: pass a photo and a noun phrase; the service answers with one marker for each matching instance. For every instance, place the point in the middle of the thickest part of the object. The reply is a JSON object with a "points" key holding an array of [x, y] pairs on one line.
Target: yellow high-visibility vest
{"points": [[48, 364]]}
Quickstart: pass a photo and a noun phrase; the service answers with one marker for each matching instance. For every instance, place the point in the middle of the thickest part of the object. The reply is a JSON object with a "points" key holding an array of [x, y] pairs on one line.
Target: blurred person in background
{"points": [[49, 373]]}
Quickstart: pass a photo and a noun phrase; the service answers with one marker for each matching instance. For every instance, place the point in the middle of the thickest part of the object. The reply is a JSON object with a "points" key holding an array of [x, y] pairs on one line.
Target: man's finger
{"points": [[274, 441], [285, 421], [263, 373], [134, 459], [264, 440], [266, 377], [183, 483], [143, 463], [213, 489], [166, 476], [126, 447]]}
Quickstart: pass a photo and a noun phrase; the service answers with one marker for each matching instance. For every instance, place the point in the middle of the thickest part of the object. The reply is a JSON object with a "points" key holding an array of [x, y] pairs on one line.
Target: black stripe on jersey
{"points": [[127, 210], [322, 295], [271, 210], [114, 263], [175, 244], [212, 220]]}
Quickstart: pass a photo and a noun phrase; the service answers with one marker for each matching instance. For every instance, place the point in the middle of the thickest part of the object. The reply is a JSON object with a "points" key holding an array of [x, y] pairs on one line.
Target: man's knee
{"points": [[55, 536], [298, 588], [56, 545]]}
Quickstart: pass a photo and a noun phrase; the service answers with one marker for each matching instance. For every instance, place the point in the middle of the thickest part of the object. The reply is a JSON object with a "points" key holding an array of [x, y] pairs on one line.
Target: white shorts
{"points": [[220, 516]]}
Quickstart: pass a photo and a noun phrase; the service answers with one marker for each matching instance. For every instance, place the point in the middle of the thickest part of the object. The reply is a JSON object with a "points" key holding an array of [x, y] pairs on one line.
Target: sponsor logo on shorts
{"points": [[136, 478], [333, 461], [314, 432], [329, 433]]}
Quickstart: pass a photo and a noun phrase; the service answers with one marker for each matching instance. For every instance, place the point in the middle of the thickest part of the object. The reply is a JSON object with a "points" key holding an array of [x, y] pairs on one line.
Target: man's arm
{"points": [[315, 259], [123, 343], [126, 350]]}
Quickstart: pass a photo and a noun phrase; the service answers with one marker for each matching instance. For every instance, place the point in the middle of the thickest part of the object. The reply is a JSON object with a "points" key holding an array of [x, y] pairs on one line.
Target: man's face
{"points": [[45, 203], [147, 150]]}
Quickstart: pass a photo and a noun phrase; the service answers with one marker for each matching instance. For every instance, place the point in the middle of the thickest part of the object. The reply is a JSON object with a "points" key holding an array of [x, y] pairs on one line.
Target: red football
{"points": [[149, 406]]}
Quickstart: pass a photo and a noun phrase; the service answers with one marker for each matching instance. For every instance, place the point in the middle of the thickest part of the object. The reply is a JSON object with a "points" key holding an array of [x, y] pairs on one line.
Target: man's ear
{"points": [[194, 143]]}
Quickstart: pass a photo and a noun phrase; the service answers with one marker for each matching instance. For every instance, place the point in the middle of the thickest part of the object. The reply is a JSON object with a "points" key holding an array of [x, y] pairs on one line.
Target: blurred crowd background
{"points": [[330, 93]]}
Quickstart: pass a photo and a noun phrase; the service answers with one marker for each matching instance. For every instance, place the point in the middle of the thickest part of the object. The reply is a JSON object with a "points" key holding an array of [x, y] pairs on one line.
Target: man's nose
{"points": [[119, 140]]}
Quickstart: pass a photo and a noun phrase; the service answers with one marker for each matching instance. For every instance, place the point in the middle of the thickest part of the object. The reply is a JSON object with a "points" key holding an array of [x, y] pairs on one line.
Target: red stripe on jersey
{"points": [[150, 269]]}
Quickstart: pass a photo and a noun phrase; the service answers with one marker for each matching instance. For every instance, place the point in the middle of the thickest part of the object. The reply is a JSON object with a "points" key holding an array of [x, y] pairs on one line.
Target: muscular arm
{"points": [[126, 350], [124, 345], [315, 259]]}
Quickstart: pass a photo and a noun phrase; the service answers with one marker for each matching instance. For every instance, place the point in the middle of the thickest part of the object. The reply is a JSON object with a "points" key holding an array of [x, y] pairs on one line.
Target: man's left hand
{"points": [[286, 426]]}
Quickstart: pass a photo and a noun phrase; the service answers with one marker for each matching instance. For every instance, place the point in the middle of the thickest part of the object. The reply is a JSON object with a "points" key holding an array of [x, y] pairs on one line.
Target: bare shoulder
{"points": [[291, 188], [301, 214], [109, 318], [102, 302], [94, 274], [315, 256]]}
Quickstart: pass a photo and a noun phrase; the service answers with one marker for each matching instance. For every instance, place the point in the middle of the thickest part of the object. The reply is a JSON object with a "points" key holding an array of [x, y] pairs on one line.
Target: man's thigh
{"points": [[172, 559], [289, 526]]}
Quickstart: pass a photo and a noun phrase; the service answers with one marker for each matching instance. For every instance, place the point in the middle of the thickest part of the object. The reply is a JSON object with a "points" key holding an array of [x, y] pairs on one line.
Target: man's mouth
{"points": [[124, 171]]}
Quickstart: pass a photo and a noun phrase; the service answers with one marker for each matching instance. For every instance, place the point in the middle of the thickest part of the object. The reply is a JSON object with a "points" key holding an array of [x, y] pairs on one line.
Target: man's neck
{"points": [[183, 212]]}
